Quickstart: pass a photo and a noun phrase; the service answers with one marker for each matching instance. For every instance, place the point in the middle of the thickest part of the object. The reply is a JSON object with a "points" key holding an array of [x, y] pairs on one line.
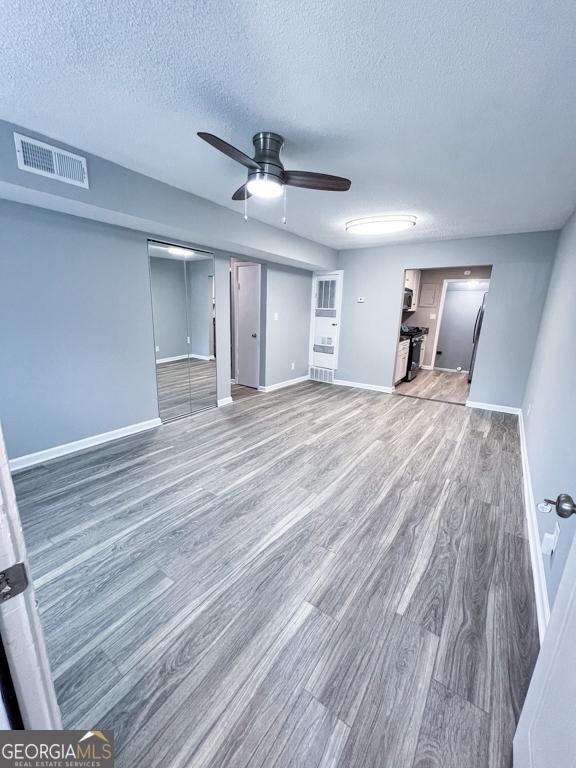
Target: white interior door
{"points": [[248, 324], [22, 634], [326, 310], [546, 733]]}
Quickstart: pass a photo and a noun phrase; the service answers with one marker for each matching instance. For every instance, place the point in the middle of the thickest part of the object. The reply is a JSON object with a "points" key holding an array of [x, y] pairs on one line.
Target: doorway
{"points": [[246, 318], [440, 330]]}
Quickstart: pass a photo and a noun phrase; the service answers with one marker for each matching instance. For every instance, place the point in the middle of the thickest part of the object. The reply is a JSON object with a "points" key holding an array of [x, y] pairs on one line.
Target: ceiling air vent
{"points": [[37, 157]]}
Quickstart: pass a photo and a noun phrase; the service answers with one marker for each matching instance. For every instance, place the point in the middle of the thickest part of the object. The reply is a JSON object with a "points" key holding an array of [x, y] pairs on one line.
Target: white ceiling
{"points": [[462, 112]]}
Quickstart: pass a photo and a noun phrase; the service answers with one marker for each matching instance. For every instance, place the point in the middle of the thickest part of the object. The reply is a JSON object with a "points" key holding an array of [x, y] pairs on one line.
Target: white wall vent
{"points": [[325, 375], [37, 157]]}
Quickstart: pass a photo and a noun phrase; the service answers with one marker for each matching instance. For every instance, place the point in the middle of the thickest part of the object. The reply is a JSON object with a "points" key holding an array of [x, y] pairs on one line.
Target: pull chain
{"points": [[284, 204], [245, 206]]}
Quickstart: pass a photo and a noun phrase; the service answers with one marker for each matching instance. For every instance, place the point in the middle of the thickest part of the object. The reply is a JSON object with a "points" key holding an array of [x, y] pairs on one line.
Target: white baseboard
{"points": [[493, 407], [31, 459], [171, 359], [282, 384], [538, 575], [224, 401], [427, 367], [358, 385], [201, 357]]}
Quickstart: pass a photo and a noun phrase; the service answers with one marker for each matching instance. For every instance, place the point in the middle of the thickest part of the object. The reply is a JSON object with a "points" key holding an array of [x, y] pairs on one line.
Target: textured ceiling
{"points": [[462, 112]]}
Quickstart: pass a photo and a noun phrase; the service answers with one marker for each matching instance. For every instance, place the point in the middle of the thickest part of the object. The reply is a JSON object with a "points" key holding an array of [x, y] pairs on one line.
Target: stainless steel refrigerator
{"points": [[476, 336]]}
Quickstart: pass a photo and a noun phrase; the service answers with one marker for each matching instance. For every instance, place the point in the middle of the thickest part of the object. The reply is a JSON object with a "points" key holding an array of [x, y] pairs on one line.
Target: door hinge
{"points": [[13, 581]]}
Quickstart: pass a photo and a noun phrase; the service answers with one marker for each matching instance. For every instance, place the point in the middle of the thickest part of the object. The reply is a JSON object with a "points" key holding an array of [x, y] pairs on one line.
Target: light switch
{"points": [[275, 315]]}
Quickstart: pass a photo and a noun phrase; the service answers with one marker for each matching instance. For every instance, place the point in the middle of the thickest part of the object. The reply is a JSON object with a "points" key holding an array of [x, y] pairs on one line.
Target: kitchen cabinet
{"points": [[401, 360], [412, 281]]}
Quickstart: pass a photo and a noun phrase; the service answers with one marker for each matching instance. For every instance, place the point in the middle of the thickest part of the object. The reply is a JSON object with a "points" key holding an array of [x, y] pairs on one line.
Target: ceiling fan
{"points": [[266, 174]]}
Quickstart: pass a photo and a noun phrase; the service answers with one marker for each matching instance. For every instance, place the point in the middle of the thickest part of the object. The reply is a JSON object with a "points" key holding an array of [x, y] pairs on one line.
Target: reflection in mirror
{"points": [[182, 283]]}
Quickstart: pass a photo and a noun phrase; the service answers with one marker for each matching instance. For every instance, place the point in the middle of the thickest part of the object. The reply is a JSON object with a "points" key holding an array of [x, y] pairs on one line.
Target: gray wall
{"points": [[455, 340], [288, 297], [169, 305], [120, 196], [520, 275], [421, 316], [198, 307], [550, 403], [75, 329]]}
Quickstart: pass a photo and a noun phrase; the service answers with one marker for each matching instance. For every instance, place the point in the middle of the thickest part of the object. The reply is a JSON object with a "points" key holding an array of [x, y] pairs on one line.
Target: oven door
{"points": [[415, 357]]}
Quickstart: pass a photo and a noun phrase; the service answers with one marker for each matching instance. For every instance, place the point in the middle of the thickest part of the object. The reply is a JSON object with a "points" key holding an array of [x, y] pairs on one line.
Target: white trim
{"points": [[494, 407], [224, 401], [358, 385], [171, 359], [538, 575], [282, 384], [201, 357], [235, 316], [31, 459], [427, 367]]}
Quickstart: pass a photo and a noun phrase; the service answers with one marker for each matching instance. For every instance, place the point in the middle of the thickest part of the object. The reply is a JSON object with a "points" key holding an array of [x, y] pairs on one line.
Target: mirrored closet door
{"points": [[183, 304]]}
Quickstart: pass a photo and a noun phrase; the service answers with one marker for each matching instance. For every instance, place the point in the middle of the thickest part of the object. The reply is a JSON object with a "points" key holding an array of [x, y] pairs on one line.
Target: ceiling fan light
{"points": [[264, 186], [381, 225]]}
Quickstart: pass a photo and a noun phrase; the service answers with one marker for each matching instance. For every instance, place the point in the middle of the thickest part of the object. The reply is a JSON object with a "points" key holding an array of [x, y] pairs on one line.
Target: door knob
{"points": [[564, 504], [253, 335]]}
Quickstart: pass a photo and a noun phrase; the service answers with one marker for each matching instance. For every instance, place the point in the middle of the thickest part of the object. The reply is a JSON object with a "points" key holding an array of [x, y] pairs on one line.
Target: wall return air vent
{"points": [[325, 375], [37, 157]]}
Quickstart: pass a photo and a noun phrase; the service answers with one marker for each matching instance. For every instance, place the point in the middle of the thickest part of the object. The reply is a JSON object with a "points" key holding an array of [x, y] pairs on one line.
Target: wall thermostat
{"points": [[360, 300]]}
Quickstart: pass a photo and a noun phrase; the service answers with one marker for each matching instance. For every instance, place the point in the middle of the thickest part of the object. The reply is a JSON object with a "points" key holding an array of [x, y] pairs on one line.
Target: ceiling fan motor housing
{"points": [[267, 148]]}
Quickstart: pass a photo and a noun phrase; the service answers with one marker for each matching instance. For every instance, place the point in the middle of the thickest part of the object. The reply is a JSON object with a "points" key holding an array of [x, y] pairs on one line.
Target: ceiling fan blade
{"points": [[241, 193], [229, 150], [310, 180]]}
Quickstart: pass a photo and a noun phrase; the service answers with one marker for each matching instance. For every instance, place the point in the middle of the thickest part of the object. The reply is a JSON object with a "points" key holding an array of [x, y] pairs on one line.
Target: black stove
{"points": [[416, 335], [408, 331]]}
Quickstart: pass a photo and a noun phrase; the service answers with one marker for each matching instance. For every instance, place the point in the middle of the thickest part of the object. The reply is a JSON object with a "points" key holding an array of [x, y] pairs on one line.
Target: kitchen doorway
{"points": [[440, 330]]}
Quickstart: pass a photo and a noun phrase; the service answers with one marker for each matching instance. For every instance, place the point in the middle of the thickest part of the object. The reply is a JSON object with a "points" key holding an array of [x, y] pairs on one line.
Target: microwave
{"points": [[408, 294]]}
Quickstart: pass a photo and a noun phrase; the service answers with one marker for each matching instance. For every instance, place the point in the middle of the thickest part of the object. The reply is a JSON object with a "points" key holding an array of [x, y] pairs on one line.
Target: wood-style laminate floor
{"points": [[239, 392], [437, 385], [185, 386], [317, 577]]}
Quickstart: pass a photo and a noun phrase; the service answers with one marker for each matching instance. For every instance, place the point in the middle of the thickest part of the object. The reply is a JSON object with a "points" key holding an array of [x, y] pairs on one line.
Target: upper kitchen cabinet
{"points": [[412, 281]]}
